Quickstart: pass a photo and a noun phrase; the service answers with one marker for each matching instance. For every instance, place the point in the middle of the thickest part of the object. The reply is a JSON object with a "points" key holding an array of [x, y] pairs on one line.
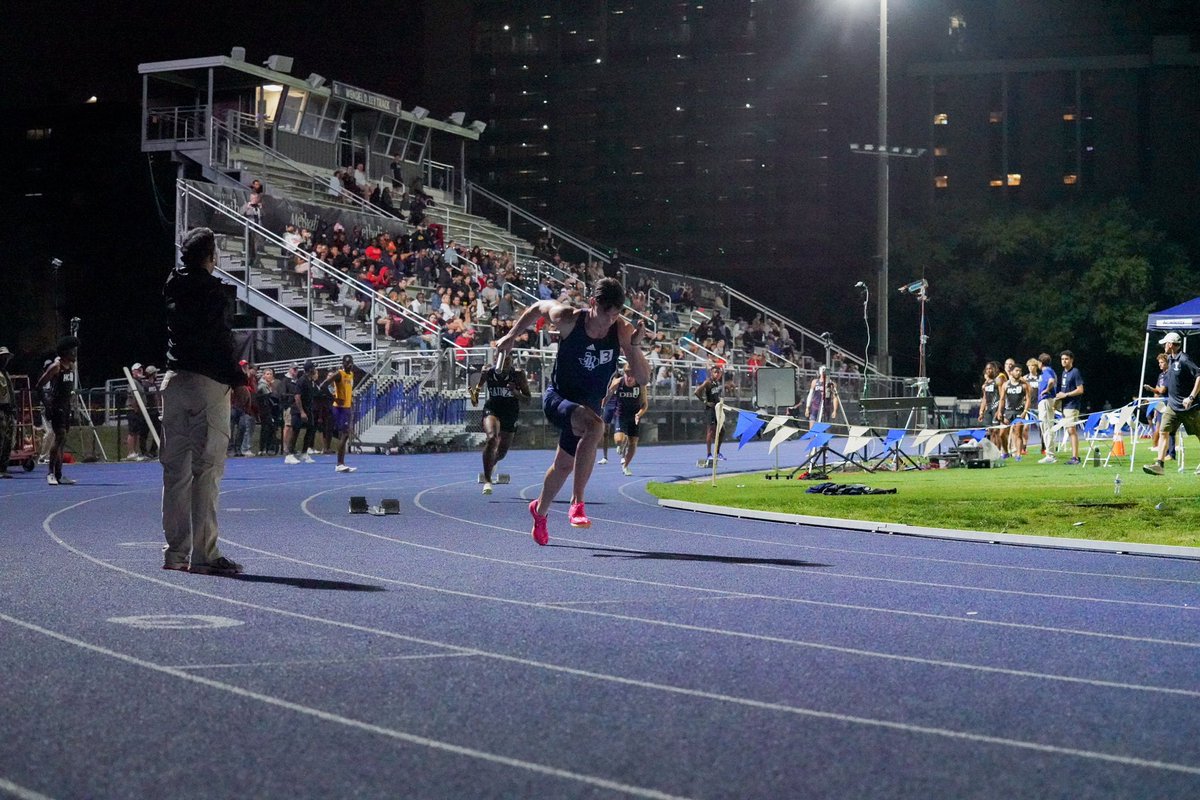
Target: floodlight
{"points": [[478, 126], [420, 113], [458, 117], [316, 81], [237, 54], [279, 63], [914, 287]]}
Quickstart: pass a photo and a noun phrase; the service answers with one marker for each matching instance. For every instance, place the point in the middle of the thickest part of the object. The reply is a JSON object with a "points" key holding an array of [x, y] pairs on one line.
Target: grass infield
{"points": [[1021, 497]]}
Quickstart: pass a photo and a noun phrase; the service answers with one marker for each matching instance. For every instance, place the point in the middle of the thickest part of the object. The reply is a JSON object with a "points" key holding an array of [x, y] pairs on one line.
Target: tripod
{"points": [[78, 409]]}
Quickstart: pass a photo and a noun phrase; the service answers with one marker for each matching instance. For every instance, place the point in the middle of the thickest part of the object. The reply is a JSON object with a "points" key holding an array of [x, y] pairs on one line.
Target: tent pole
{"points": [[1141, 388]]}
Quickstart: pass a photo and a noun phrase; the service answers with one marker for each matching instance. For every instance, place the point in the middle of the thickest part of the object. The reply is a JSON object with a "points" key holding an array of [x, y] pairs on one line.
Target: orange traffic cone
{"points": [[1118, 448]]}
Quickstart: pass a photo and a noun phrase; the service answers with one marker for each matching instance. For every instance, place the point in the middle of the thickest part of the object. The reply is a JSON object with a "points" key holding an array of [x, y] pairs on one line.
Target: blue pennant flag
{"points": [[1092, 421], [894, 435], [819, 427], [818, 440], [748, 426]]}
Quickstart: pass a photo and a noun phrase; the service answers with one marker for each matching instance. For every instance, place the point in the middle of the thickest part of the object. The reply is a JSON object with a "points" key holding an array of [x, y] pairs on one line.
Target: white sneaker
{"points": [[626, 471], [249, 453], [307, 459], [312, 451], [603, 461], [344, 468], [133, 457], [53, 481], [66, 481], [1047, 460], [290, 458], [487, 488]]}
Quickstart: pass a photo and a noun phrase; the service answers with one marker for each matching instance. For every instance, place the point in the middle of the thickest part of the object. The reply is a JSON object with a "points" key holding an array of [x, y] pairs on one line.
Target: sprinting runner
{"points": [[632, 402], [587, 357], [506, 387], [343, 409]]}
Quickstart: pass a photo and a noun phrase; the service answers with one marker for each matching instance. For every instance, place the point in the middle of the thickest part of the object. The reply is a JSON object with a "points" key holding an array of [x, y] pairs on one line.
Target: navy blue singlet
{"points": [[585, 366]]}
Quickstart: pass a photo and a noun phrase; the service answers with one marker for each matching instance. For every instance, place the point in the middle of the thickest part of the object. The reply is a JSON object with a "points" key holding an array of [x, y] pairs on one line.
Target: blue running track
{"points": [[442, 654]]}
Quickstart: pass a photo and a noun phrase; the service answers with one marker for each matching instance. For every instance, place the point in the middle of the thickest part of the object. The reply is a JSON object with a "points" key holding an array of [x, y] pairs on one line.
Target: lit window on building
{"points": [[941, 181], [1070, 179], [995, 116], [1014, 179], [996, 182], [941, 150], [1069, 116], [941, 119], [38, 134]]}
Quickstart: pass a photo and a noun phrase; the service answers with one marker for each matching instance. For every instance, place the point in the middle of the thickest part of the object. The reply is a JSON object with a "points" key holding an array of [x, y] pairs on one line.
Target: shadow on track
{"points": [[309, 583], [658, 555]]}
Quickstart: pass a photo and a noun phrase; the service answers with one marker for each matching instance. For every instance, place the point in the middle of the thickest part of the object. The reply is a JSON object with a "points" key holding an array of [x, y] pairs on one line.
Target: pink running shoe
{"points": [[540, 534], [579, 517]]}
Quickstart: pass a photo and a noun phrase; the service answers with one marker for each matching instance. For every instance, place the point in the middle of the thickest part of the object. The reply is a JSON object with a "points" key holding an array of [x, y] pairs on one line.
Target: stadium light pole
{"points": [[882, 188]]}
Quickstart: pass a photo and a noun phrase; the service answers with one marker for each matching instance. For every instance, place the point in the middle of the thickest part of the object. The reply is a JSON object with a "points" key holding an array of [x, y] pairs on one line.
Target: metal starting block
{"points": [[704, 463], [390, 505], [501, 477]]}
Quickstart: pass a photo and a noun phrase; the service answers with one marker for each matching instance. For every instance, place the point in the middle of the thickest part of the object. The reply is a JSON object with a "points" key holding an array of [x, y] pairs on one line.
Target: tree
{"points": [[1017, 283]]}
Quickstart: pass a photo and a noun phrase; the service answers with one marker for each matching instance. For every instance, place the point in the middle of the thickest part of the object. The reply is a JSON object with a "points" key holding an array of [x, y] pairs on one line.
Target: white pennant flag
{"points": [[775, 422], [782, 435], [924, 436], [936, 441], [857, 439]]}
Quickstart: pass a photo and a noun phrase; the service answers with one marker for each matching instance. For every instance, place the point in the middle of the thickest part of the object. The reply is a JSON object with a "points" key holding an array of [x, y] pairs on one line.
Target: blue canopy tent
{"points": [[1184, 319]]}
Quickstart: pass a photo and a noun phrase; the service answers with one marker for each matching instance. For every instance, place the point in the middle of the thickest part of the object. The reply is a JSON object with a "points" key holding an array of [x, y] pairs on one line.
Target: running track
{"points": [[442, 654]]}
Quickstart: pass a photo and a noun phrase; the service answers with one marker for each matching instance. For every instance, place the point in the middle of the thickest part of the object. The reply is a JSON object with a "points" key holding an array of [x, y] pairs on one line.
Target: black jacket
{"points": [[200, 337]]}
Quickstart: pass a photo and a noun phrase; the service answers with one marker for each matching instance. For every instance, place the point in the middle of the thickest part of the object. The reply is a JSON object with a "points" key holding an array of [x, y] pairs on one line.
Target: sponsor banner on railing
{"points": [[279, 212]]}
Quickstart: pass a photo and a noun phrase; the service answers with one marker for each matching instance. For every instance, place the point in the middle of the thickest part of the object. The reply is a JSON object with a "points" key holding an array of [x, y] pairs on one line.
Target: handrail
{"points": [[314, 263], [591, 250], [270, 152]]}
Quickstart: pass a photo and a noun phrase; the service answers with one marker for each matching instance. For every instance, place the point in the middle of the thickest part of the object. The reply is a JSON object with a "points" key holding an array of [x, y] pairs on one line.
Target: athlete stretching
{"points": [[587, 357], [506, 388]]}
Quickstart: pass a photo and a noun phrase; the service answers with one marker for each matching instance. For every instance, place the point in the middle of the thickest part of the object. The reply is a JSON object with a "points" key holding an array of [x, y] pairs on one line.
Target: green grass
{"points": [[1024, 498]]}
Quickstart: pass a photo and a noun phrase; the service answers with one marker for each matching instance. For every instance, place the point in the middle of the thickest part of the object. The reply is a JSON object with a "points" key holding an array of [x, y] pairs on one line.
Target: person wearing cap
{"points": [[304, 416], [8, 405], [343, 408], [1183, 392], [202, 381]]}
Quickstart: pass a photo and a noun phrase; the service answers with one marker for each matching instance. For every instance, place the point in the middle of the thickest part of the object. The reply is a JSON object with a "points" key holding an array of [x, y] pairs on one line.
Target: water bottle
{"points": [[1095, 456], [1117, 484]]}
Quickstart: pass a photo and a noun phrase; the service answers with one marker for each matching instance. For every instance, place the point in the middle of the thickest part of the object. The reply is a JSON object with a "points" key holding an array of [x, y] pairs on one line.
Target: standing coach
{"points": [[202, 376]]}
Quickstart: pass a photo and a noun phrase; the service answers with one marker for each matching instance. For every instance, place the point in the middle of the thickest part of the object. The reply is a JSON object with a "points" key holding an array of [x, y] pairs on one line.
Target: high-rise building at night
{"points": [[689, 133]]}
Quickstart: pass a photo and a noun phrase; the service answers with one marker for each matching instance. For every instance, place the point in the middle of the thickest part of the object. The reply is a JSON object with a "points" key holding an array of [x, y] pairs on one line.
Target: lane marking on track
{"points": [[323, 661], [20, 792], [349, 722], [678, 690]]}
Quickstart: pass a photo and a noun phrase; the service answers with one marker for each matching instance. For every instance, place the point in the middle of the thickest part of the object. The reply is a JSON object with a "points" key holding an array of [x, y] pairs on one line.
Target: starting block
{"points": [[390, 505], [704, 463], [501, 477]]}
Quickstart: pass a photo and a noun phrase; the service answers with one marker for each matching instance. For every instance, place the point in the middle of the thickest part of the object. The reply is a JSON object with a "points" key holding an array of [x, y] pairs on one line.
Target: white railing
{"points": [[176, 123]]}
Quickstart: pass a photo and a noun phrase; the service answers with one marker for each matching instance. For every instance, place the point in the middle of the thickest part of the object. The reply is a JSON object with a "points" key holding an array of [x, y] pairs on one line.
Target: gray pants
{"points": [[195, 435], [6, 437]]}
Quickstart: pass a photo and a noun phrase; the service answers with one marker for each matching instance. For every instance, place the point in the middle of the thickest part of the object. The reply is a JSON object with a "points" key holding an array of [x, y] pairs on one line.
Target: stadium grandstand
{"points": [[347, 224]]}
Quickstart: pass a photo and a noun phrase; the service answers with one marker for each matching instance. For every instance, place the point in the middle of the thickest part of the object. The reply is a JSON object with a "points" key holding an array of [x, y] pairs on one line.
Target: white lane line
{"points": [[948, 561], [875, 554], [759, 637], [801, 601], [323, 661], [21, 792], [349, 722], [667, 688]]}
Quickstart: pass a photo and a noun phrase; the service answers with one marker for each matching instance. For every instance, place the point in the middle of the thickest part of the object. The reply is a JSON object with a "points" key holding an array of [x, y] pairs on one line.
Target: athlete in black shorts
{"points": [[632, 402], [59, 380], [506, 388]]}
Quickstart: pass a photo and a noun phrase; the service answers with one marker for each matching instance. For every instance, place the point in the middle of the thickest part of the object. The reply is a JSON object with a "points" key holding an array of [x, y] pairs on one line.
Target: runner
{"points": [[586, 359], [1017, 397], [609, 415], [710, 393], [632, 402], [506, 388]]}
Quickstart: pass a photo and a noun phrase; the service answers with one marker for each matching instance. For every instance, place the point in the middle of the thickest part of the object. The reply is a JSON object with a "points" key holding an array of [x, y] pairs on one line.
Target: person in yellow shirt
{"points": [[343, 408]]}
